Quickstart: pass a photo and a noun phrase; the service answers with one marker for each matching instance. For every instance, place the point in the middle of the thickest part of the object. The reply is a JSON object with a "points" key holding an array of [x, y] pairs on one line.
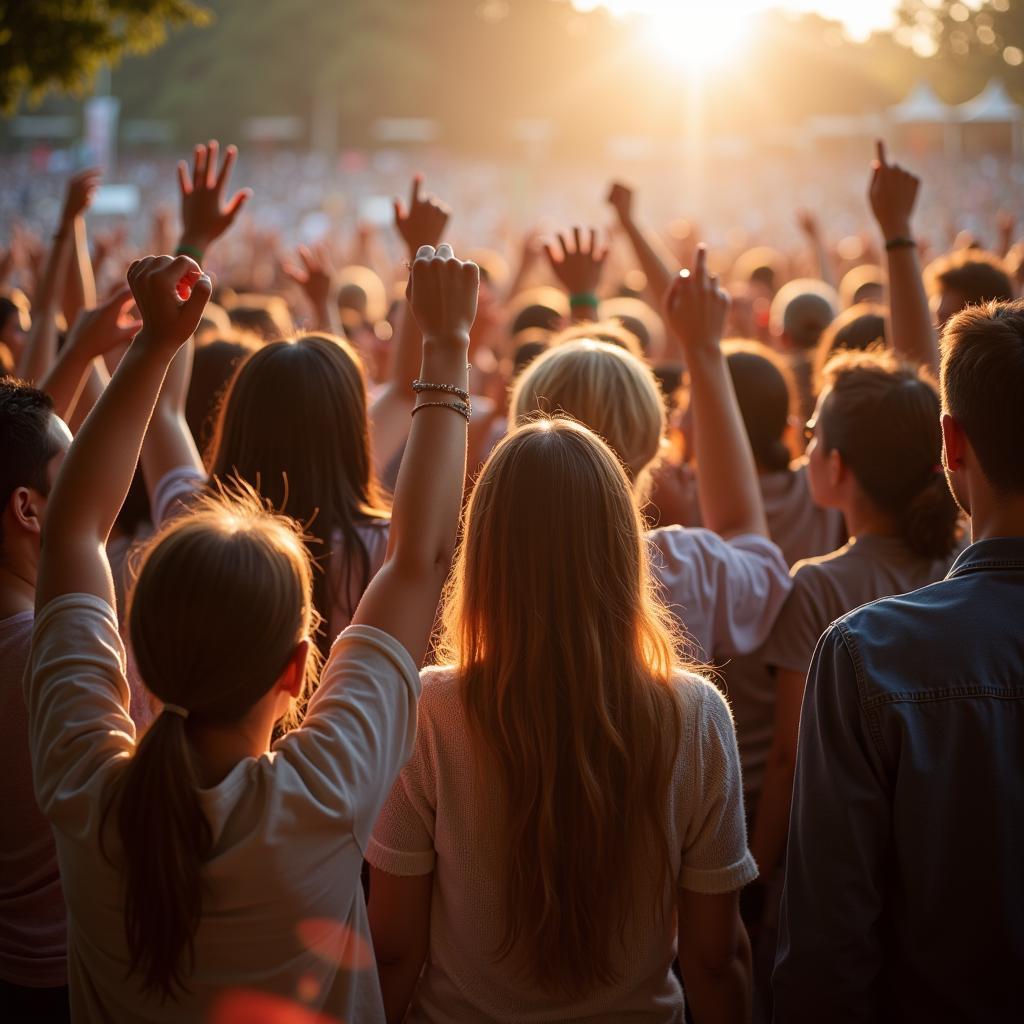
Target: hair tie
{"points": [[176, 709]]}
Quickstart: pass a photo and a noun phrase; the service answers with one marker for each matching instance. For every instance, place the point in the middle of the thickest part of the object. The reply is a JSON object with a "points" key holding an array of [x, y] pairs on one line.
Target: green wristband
{"points": [[584, 299], [190, 250]]}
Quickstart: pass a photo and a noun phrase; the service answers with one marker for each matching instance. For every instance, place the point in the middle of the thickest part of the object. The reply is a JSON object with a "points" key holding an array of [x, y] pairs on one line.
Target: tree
{"points": [[50, 45]]}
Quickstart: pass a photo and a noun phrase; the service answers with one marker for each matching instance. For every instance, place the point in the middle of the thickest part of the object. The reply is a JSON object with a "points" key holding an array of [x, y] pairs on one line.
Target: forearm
{"points": [[771, 826], [719, 995], [730, 497], [80, 284], [41, 349], [913, 333], [98, 470], [64, 380], [94, 383], [654, 259], [398, 980]]}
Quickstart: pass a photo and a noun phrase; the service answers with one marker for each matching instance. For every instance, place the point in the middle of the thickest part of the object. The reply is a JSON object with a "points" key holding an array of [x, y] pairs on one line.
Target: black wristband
{"points": [[899, 243]]}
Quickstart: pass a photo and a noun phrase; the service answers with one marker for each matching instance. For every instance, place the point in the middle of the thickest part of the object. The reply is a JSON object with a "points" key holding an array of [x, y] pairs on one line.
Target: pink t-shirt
{"points": [[33, 928]]}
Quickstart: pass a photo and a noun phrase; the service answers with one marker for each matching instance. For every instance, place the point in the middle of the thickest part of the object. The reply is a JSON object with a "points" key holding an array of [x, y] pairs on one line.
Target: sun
{"points": [[693, 36]]}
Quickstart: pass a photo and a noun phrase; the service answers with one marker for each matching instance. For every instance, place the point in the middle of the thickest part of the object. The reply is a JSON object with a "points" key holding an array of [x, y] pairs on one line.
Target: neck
{"points": [[17, 591], [863, 518], [1003, 517], [219, 748]]}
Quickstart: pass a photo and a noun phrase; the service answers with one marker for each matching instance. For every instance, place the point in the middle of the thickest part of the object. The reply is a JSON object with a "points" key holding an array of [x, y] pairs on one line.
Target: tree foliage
{"points": [[60, 44]]}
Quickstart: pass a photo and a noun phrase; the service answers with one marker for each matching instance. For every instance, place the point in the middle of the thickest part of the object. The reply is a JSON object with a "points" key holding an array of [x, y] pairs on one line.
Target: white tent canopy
{"points": [[922, 106], [991, 106]]}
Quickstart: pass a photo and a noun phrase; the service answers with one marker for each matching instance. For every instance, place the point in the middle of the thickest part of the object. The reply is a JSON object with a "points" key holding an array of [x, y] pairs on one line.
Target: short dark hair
{"points": [[982, 380], [766, 393], [977, 275], [26, 444]]}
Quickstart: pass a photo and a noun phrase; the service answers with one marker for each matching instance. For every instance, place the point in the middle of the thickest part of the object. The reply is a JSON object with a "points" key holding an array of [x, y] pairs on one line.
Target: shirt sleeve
{"points": [[726, 593], [715, 858], [799, 625], [174, 491], [77, 699], [359, 728], [829, 954], [403, 838]]}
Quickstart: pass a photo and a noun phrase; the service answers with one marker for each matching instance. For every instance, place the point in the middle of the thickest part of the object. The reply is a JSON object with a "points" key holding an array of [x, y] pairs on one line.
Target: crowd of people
{"points": [[606, 628]]}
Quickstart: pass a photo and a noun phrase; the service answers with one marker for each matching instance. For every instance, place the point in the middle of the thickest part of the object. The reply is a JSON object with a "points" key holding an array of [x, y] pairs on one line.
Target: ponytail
{"points": [[165, 839], [929, 523]]}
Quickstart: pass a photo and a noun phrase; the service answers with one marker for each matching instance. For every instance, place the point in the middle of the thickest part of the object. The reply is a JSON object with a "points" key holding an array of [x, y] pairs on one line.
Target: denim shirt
{"points": [[904, 893]]}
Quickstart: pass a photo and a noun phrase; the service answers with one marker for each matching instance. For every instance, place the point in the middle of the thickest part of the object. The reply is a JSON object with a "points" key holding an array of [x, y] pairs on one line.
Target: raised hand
{"points": [[79, 194], [315, 275], [171, 294], [424, 221], [101, 330], [204, 216], [696, 308], [578, 266], [443, 293], [621, 200], [808, 224], [892, 194]]}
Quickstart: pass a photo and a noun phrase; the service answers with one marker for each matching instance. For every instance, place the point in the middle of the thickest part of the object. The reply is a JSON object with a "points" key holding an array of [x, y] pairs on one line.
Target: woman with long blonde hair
{"points": [[572, 816]]}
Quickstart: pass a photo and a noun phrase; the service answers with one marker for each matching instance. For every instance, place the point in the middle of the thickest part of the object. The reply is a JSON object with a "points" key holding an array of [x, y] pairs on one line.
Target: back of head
{"points": [[883, 418], [966, 278], [565, 658], [361, 290], [638, 318], [213, 365], [294, 425], [762, 266], [767, 398], [801, 310], [602, 386], [982, 384], [611, 332], [222, 599], [864, 283], [265, 316], [859, 328], [27, 443], [543, 307]]}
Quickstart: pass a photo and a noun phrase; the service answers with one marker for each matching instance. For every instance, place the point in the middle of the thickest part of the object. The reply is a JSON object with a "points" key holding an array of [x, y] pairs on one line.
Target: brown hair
{"points": [[568, 690], [223, 598], [883, 418], [294, 425], [857, 329], [982, 384], [977, 275], [766, 393]]}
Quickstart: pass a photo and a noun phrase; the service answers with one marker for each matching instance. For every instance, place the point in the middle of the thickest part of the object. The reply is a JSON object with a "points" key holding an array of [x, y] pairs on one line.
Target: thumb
{"points": [[192, 309]]}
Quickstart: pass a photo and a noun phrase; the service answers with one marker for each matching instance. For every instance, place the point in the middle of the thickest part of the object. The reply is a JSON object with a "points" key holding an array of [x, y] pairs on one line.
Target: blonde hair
{"points": [[222, 601], [603, 387], [565, 657]]}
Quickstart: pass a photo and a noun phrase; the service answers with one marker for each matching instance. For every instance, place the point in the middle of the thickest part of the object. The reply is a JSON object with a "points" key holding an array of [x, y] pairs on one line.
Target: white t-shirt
{"points": [[289, 827], [436, 820], [177, 487], [725, 593], [33, 933]]}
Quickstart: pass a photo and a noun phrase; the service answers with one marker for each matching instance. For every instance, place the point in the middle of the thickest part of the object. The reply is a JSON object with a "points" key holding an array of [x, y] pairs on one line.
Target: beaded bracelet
{"points": [[451, 389], [464, 409]]}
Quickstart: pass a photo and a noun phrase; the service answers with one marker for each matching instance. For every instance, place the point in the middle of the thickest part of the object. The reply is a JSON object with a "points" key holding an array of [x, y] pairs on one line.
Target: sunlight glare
{"points": [[692, 38]]}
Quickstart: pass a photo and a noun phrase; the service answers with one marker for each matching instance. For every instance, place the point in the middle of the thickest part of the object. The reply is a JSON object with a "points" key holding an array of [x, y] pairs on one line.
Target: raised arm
{"points": [[80, 282], [655, 260], [315, 277], [41, 349], [730, 497], [402, 598], [95, 332], [892, 194], [578, 267], [99, 466], [419, 224], [812, 232]]}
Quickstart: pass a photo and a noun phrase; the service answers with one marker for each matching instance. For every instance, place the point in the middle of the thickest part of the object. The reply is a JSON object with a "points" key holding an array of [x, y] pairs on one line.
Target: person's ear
{"points": [[836, 468], [294, 673], [26, 507], [954, 443]]}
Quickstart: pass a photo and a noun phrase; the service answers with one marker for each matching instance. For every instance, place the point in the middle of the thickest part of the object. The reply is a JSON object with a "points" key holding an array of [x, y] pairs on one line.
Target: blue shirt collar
{"points": [[994, 553]]}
